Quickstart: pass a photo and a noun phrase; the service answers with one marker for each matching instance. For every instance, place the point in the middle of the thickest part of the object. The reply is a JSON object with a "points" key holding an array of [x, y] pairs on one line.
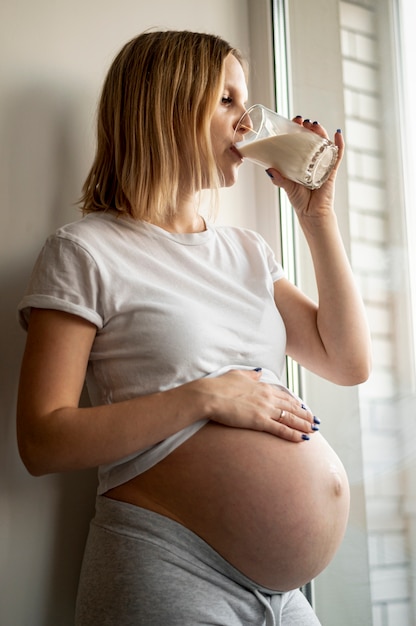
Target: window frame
{"points": [[341, 594]]}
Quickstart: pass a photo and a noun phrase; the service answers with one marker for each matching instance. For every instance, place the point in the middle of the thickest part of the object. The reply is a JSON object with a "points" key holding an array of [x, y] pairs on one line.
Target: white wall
{"points": [[53, 57]]}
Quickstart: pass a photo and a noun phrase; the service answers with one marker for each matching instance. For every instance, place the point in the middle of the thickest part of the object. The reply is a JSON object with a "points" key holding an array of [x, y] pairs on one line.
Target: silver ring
{"points": [[282, 414]]}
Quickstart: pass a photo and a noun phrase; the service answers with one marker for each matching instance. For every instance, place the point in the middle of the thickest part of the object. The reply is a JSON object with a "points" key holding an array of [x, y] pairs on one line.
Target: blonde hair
{"points": [[153, 127]]}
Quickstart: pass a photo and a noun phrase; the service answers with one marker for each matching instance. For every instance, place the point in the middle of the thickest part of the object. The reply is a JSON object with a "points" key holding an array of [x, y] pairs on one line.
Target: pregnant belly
{"points": [[274, 509]]}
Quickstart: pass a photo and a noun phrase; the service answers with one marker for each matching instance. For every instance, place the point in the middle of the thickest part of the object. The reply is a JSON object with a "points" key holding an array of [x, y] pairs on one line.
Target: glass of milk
{"points": [[270, 140]]}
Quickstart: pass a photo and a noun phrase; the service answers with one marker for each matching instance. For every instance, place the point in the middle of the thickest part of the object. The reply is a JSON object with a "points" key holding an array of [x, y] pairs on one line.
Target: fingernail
{"points": [[258, 369], [269, 174], [339, 131], [298, 117], [316, 419], [305, 437], [303, 406], [307, 120], [314, 427], [316, 123]]}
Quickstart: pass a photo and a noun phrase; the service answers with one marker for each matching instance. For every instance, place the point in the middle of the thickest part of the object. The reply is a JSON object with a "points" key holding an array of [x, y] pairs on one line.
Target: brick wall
{"points": [[371, 256]]}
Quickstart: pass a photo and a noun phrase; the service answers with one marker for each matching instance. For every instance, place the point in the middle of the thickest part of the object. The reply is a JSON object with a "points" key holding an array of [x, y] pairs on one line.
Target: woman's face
{"points": [[229, 110]]}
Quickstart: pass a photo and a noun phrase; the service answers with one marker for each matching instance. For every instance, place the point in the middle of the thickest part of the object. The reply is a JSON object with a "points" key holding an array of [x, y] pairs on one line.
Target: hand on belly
{"points": [[276, 510]]}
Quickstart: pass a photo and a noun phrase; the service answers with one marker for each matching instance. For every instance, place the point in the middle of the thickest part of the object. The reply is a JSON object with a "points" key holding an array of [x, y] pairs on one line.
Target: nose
{"points": [[244, 124]]}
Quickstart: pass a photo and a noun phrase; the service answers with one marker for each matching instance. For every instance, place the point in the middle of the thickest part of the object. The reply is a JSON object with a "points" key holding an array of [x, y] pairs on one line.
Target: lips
{"points": [[236, 152]]}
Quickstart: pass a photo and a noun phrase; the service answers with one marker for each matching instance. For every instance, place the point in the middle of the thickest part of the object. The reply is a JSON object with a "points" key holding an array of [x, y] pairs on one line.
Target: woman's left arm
{"points": [[331, 338]]}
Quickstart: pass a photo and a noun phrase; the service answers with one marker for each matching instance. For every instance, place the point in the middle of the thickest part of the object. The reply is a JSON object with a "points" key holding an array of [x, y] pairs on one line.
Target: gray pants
{"points": [[143, 569]]}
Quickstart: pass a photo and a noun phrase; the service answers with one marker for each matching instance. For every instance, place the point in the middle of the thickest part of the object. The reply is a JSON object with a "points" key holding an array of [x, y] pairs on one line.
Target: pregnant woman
{"points": [[217, 496]]}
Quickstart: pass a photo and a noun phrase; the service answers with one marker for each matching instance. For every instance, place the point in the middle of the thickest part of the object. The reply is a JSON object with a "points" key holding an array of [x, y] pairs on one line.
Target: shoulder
{"points": [[245, 237], [98, 235], [76, 250], [88, 228], [251, 245]]}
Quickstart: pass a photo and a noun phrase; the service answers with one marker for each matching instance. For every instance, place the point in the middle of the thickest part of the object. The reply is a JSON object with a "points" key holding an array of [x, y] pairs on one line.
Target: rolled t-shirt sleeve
{"points": [[275, 268], [64, 278]]}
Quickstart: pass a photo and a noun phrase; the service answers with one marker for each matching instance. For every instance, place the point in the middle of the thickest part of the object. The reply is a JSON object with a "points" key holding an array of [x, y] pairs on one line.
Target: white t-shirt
{"points": [[169, 308]]}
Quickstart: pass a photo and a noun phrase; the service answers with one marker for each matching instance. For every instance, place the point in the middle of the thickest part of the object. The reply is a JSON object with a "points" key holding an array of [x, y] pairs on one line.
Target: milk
{"points": [[303, 157]]}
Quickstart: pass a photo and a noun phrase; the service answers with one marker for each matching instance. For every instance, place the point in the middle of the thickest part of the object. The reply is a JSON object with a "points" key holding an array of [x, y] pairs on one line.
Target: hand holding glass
{"points": [[270, 140]]}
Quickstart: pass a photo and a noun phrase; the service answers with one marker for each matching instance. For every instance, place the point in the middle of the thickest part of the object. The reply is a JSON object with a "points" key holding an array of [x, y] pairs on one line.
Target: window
{"points": [[341, 62]]}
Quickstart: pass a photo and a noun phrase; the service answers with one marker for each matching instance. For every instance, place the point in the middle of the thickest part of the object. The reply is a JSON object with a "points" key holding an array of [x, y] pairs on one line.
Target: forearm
{"points": [[340, 319], [72, 438], [336, 330]]}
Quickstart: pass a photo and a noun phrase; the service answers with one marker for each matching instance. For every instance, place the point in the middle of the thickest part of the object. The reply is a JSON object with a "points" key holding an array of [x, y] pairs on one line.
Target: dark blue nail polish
{"points": [[258, 369], [316, 123], [339, 131], [303, 406], [316, 419], [269, 174], [305, 437], [307, 120], [315, 427], [298, 117]]}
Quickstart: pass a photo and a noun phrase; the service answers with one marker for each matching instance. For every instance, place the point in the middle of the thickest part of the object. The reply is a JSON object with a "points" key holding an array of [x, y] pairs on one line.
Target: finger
{"points": [[254, 374], [297, 423], [339, 142], [285, 432], [280, 181], [316, 128], [294, 408]]}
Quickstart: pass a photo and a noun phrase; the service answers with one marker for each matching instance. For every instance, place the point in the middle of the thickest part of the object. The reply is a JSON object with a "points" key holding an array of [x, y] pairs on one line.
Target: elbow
{"points": [[31, 461], [38, 448], [356, 374], [364, 368], [33, 455], [356, 379], [34, 470], [364, 375]]}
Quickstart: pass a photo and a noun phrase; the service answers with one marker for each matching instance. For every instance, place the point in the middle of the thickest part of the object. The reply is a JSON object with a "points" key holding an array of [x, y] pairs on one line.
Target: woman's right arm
{"points": [[55, 435]]}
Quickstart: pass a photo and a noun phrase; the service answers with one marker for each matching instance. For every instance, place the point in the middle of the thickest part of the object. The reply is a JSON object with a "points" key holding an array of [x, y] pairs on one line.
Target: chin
{"points": [[229, 179]]}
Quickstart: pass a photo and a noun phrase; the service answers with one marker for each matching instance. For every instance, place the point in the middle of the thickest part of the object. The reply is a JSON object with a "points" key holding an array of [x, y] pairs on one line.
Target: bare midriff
{"points": [[276, 510]]}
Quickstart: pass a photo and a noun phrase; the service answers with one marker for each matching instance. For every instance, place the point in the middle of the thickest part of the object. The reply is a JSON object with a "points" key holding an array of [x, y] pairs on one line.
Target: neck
{"points": [[186, 220], [177, 225]]}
